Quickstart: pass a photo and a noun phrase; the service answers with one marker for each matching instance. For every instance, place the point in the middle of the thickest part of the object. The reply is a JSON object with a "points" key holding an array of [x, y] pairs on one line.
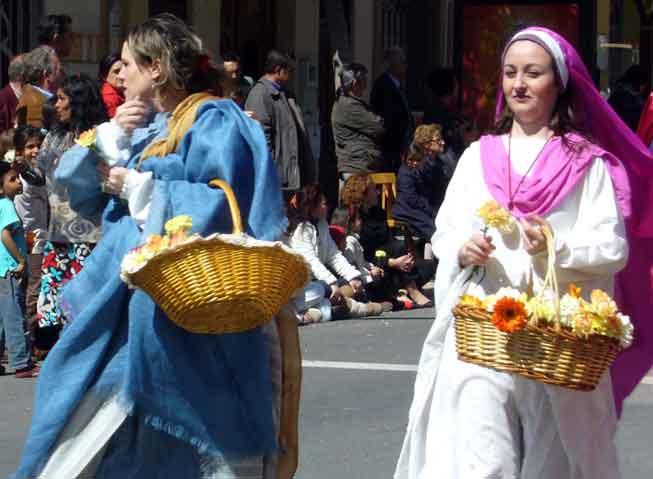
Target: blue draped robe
{"points": [[189, 397]]}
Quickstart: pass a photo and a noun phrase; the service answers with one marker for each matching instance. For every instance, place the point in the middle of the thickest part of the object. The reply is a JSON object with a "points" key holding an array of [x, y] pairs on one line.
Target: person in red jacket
{"points": [[10, 94], [111, 86]]}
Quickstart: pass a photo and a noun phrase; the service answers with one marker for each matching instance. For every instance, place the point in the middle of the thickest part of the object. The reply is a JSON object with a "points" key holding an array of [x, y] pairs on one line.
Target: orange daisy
{"points": [[509, 315]]}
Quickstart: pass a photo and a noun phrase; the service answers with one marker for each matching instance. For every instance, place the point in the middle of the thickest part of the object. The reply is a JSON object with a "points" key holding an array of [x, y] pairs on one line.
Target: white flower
{"points": [[627, 330], [569, 307]]}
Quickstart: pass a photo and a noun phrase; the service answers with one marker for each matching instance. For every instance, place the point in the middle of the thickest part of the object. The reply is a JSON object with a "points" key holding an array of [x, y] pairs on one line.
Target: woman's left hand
{"points": [[113, 178], [534, 239]]}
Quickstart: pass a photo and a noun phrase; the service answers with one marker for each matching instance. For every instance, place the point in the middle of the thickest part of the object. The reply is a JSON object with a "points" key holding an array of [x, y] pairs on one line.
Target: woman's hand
{"points": [[251, 115], [404, 263], [476, 251], [336, 296], [356, 284], [534, 239], [376, 272], [113, 178], [131, 114]]}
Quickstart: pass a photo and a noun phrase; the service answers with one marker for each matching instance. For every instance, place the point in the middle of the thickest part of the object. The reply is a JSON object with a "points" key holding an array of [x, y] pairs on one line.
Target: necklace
{"points": [[511, 193]]}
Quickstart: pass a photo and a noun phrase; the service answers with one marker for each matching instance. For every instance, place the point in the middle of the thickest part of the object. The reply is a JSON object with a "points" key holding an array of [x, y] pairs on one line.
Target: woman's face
{"points": [[529, 82], [319, 212], [113, 77], [435, 144], [137, 80], [62, 106]]}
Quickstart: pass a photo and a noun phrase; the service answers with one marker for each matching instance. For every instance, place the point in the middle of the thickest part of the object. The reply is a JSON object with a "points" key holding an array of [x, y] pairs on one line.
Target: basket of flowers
{"points": [[568, 341], [223, 283]]}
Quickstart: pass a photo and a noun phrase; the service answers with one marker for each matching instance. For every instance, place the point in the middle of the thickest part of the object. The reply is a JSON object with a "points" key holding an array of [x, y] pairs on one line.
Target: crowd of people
{"points": [[70, 210]]}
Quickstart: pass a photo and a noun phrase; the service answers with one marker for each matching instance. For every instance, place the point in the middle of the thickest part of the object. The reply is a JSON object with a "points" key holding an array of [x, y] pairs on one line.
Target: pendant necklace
{"points": [[511, 193]]}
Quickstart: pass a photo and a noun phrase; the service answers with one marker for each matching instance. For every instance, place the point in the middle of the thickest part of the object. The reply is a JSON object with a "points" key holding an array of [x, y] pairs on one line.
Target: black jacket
{"points": [[389, 103], [420, 192], [357, 133]]}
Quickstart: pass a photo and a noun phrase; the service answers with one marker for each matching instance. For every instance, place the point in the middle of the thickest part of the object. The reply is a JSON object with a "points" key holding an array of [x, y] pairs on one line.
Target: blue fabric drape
{"points": [[210, 391]]}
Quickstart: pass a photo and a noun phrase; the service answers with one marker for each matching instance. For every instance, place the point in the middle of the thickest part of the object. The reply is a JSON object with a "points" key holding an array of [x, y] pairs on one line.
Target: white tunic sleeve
{"points": [[596, 244], [137, 190]]}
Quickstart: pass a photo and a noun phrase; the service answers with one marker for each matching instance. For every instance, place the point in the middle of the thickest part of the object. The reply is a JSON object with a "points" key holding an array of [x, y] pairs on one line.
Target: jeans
{"points": [[12, 314]]}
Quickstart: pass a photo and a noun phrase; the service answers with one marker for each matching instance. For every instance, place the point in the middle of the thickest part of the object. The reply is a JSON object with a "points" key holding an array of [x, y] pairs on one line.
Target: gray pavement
{"points": [[353, 415]]}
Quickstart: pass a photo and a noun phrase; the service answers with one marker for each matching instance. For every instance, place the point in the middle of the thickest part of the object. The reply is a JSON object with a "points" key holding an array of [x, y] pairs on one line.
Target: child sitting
{"points": [[12, 276], [309, 236]]}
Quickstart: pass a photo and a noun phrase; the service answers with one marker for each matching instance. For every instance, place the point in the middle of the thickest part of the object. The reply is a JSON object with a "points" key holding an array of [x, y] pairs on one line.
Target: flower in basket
{"points": [[488, 302], [177, 233], [509, 314], [88, 139], [540, 308], [494, 216], [469, 300]]}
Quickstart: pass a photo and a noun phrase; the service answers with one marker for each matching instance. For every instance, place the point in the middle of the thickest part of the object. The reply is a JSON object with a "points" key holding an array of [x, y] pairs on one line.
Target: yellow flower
{"points": [[540, 309], [179, 223], [602, 304], [583, 323], [87, 139], [469, 300], [494, 216], [488, 302]]}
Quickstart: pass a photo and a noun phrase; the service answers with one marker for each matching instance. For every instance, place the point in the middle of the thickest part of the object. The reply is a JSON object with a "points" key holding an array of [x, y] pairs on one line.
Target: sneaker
{"points": [[28, 372]]}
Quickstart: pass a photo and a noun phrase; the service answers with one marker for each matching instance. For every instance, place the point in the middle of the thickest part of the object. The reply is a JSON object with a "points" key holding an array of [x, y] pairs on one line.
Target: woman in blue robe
{"points": [[126, 393]]}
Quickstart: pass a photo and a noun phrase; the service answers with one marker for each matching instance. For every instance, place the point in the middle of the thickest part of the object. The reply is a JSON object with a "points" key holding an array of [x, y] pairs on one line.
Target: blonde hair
{"points": [[184, 64], [354, 191], [424, 134]]}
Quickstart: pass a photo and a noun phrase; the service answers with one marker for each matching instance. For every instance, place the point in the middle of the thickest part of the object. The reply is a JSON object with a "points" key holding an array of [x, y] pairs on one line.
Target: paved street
{"points": [[358, 380]]}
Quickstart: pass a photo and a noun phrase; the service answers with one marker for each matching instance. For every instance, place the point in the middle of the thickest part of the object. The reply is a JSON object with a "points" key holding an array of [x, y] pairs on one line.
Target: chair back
{"points": [[388, 185]]}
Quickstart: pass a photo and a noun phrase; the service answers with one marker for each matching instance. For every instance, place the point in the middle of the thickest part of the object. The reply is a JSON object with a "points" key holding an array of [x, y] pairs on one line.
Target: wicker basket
{"points": [[214, 286], [547, 354]]}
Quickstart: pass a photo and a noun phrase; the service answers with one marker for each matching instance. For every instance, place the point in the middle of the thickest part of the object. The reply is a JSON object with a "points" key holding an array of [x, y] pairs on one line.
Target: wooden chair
{"points": [[388, 186]]}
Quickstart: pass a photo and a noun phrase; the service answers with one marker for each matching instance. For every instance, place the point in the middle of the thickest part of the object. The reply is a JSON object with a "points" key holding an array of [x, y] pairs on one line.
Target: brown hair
{"points": [[302, 203], [354, 191], [418, 149], [185, 65]]}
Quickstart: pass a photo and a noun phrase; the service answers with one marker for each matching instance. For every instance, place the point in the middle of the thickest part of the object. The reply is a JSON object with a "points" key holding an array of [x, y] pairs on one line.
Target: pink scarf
{"points": [[557, 172]]}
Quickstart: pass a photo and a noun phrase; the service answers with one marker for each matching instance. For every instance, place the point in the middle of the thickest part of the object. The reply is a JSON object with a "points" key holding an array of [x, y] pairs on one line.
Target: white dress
{"points": [[469, 422]]}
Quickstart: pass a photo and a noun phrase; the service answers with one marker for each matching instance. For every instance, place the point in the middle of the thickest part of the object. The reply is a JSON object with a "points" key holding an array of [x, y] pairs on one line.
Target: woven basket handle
{"points": [[551, 279], [233, 203]]}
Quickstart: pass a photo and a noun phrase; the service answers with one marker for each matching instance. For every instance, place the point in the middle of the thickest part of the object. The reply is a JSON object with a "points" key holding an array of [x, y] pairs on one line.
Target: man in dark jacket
{"points": [[10, 94], [388, 100], [357, 131], [282, 123]]}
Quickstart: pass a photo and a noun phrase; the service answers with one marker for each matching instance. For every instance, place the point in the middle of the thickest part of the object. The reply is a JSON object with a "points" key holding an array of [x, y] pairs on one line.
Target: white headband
{"points": [[552, 47]]}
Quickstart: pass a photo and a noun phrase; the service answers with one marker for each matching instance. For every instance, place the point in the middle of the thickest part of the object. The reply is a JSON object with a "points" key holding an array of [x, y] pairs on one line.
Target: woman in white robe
{"points": [[470, 422]]}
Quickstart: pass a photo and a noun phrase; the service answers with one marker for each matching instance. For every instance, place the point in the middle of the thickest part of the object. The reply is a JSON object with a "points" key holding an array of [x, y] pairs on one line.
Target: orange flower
{"points": [[574, 291], [509, 315]]}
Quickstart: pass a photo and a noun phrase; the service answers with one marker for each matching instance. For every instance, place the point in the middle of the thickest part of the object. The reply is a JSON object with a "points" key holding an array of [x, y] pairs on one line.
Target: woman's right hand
{"points": [[131, 115], [476, 251]]}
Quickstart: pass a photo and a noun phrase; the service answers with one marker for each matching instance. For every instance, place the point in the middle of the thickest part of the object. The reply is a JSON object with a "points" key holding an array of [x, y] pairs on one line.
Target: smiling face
{"points": [[32, 147], [529, 82]]}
